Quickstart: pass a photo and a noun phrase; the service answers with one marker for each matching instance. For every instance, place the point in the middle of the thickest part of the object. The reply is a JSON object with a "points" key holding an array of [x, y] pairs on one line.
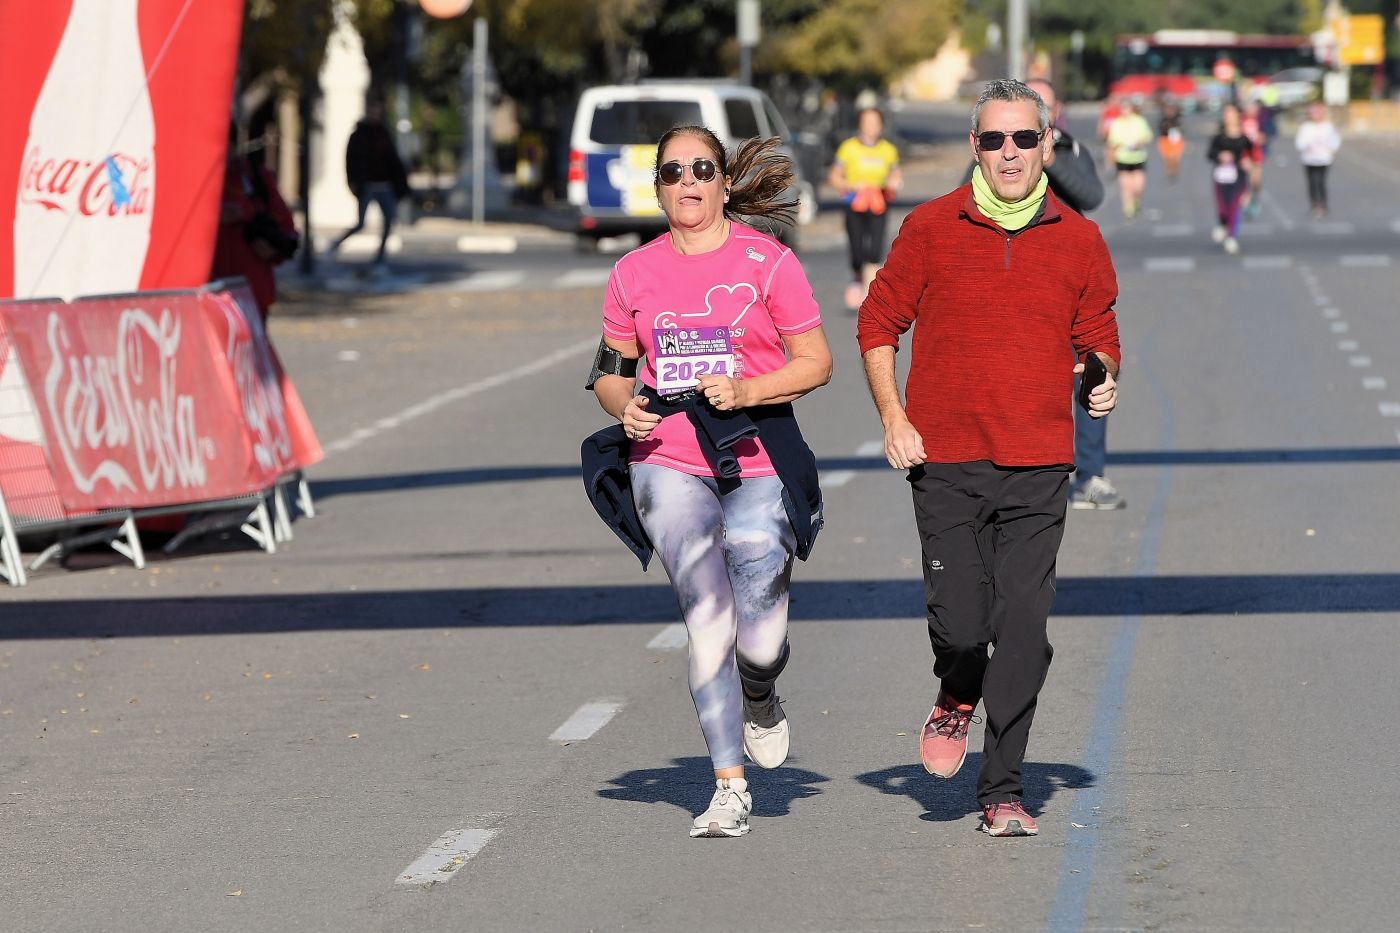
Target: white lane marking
{"points": [[837, 478], [1365, 261], [1277, 209], [586, 720], [1267, 262], [1395, 225], [364, 243], [1390, 409], [444, 857], [583, 278], [1322, 300], [1340, 327], [1360, 362], [1169, 264], [1173, 230], [495, 280], [348, 356], [485, 243], [1374, 383], [359, 435], [671, 638], [1331, 313], [1333, 228], [1348, 346]]}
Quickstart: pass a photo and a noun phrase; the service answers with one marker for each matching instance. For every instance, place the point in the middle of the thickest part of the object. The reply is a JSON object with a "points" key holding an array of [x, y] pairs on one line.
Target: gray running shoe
{"points": [[1098, 493], [729, 810], [765, 731]]}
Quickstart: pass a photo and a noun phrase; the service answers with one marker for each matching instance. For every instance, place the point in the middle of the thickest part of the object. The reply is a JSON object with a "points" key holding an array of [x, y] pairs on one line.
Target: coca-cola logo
{"points": [[111, 409], [119, 183], [259, 392]]}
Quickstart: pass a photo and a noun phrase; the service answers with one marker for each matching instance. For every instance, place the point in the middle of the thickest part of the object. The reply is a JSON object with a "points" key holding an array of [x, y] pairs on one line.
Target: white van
{"points": [[612, 150]]}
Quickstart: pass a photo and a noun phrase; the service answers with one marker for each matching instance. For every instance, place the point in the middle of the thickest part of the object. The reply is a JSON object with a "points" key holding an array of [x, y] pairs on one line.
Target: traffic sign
{"points": [[1360, 39]]}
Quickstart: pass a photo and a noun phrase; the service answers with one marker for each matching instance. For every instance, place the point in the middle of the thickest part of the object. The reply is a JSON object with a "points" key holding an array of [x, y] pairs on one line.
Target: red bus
{"points": [[1188, 63]]}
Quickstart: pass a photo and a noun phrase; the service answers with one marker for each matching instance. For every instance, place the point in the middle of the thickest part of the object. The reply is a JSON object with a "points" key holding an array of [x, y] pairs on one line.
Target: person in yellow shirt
{"points": [[1129, 138], [866, 174]]}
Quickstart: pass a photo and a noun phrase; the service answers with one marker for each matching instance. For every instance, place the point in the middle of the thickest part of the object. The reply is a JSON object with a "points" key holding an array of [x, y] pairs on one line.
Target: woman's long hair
{"points": [[761, 174]]}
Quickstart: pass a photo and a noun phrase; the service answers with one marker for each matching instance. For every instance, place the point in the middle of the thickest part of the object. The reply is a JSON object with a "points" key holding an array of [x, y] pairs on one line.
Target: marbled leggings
{"points": [[729, 557]]}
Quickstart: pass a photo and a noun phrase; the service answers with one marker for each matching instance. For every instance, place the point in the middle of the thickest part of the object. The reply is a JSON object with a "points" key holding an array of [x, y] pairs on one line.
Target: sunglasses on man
{"points": [[993, 140], [671, 173]]}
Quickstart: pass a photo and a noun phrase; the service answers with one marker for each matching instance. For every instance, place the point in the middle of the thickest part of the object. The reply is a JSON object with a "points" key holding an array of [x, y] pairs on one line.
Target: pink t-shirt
{"points": [[751, 291]]}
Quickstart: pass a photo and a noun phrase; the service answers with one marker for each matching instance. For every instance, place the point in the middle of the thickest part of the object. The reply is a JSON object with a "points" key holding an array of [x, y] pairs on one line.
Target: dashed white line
{"points": [[836, 478], [495, 280], [1395, 225], [1334, 228], [1173, 230], [443, 858], [486, 243], [359, 435], [586, 720], [1348, 346], [671, 638], [1340, 327], [1365, 261], [1321, 300], [1374, 383], [583, 278], [1169, 264], [1390, 409], [1360, 362], [1332, 313], [1267, 262]]}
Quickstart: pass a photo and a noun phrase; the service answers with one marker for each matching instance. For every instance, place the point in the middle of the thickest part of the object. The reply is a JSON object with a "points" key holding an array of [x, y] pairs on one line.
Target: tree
{"points": [[864, 40]]}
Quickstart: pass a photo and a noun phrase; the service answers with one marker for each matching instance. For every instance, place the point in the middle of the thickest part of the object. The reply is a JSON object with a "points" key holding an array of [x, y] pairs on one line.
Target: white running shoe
{"points": [[766, 735], [1218, 234], [729, 811], [1232, 245]]}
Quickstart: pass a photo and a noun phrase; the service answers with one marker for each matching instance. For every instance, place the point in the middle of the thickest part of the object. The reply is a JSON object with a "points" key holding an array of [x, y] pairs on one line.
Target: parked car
{"points": [[1296, 85], [612, 149]]}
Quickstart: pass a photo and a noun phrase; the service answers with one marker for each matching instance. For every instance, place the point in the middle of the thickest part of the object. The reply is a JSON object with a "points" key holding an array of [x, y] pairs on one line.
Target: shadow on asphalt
{"points": [[360, 485], [951, 800], [689, 782], [654, 603]]}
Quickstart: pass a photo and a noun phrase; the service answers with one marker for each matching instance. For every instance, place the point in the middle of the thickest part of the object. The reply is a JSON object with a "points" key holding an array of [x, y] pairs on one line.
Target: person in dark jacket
{"points": [[375, 173], [256, 229]]}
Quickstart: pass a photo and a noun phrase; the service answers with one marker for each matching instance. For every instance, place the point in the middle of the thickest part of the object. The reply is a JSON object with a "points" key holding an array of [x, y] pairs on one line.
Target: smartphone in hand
{"points": [[1093, 376]]}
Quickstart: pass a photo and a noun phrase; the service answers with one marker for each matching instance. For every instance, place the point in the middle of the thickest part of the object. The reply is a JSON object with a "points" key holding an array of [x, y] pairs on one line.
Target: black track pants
{"points": [[990, 536]]}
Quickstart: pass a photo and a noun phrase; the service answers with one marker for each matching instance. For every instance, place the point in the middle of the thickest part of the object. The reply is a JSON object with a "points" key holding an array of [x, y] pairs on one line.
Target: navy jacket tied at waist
{"points": [[609, 484]]}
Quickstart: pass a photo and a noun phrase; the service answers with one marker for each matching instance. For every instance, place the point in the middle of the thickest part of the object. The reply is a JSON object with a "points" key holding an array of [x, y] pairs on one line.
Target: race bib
{"points": [[683, 355], [1174, 134], [1226, 174]]}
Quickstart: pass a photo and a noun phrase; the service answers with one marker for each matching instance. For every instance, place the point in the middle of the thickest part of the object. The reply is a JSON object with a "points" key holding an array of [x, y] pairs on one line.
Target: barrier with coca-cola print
{"points": [[115, 407]]}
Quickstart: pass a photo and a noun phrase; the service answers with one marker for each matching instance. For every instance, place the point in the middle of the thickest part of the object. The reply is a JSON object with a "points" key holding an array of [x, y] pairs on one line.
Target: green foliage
{"points": [[284, 40], [864, 39]]}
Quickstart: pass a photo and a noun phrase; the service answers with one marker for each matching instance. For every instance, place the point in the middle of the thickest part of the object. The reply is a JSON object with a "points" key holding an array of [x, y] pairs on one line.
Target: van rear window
{"points": [[637, 122]]}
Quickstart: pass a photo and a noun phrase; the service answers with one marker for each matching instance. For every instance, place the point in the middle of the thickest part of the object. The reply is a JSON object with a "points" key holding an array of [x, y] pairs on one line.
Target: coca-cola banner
{"points": [[157, 399], [112, 138]]}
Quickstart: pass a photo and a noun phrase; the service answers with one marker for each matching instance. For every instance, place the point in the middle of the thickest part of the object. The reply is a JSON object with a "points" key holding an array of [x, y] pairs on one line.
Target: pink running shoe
{"points": [[943, 740], [1007, 819]]}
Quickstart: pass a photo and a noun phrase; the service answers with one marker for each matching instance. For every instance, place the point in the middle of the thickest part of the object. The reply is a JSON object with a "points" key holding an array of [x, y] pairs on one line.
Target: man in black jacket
{"points": [[375, 173]]}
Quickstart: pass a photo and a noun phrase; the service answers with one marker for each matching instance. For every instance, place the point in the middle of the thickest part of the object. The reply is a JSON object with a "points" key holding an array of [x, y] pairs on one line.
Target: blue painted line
{"points": [[1101, 752]]}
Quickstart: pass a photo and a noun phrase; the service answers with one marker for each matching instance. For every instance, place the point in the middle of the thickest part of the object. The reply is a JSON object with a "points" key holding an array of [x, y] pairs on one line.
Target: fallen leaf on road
{"points": [[94, 732], [266, 676], [901, 733], [207, 697], [1078, 825], [238, 893], [424, 667], [404, 716], [354, 735]]}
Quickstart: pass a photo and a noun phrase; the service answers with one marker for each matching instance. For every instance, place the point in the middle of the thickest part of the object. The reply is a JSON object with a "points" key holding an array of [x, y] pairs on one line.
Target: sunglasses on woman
{"points": [[993, 140], [671, 173]]}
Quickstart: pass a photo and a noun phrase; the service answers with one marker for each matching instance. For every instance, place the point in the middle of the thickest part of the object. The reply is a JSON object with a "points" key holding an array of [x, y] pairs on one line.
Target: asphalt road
{"points": [[454, 702]]}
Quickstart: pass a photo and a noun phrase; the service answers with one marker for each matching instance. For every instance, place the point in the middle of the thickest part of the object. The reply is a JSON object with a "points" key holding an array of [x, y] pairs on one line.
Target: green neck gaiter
{"points": [[1009, 215]]}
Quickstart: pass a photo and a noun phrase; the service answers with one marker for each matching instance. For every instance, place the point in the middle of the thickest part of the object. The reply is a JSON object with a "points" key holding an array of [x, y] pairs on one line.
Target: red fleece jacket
{"points": [[999, 322]]}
